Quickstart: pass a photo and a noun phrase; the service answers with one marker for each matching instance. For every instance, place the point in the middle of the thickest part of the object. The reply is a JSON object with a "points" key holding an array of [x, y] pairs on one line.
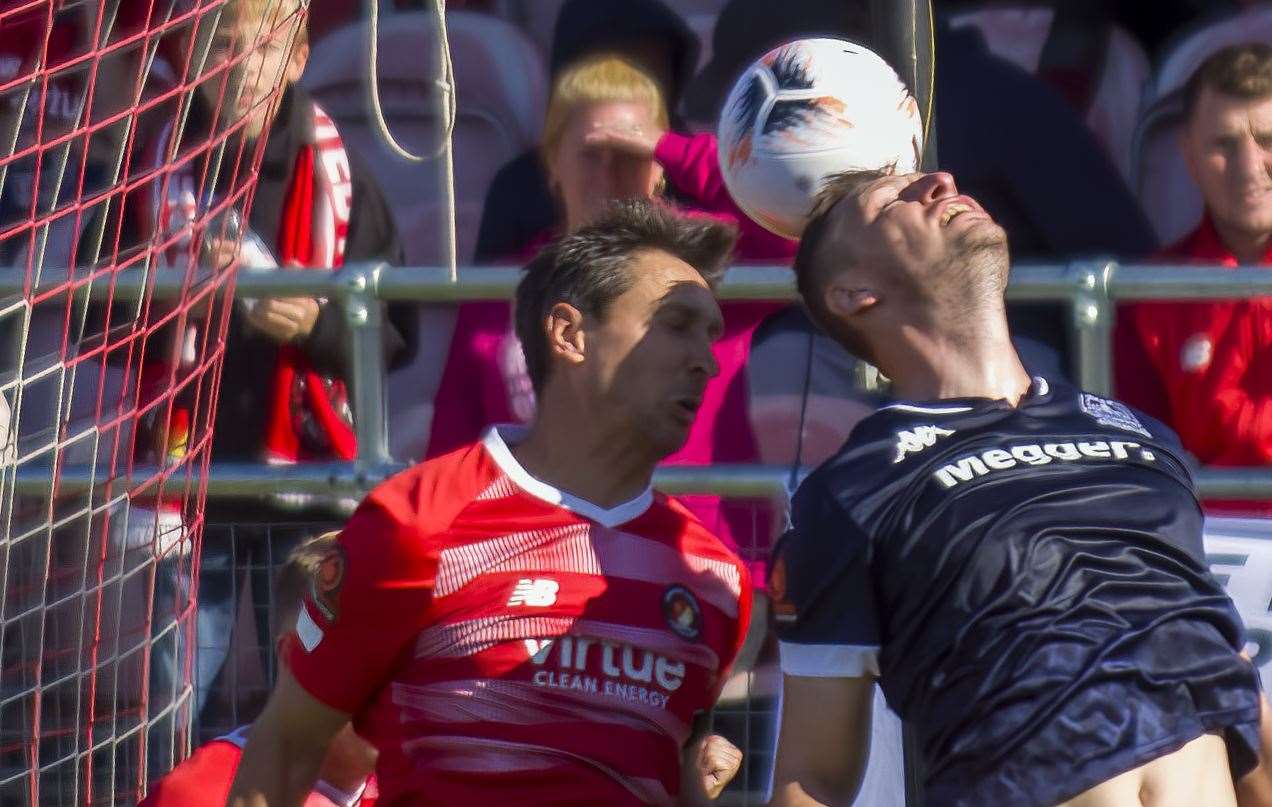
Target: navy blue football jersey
{"points": [[1028, 584]]}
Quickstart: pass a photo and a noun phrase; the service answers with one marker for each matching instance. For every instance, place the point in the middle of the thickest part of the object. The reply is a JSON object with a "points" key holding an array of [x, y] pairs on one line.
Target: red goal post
{"points": [[126, 144]]}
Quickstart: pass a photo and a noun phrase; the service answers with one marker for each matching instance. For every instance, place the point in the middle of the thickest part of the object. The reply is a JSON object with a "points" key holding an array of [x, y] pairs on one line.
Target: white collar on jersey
{"points": [[1038, 387], [496, 441]]}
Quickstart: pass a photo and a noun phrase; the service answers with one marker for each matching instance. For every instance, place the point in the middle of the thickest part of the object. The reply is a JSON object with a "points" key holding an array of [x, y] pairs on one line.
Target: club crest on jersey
{"points": [[680, 609], [921, 437], [1112, 413], [328, 577]]}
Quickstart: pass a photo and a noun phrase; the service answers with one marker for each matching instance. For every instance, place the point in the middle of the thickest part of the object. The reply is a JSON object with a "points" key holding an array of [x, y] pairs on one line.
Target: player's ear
{"points": [[845, 300], [564, 325]]}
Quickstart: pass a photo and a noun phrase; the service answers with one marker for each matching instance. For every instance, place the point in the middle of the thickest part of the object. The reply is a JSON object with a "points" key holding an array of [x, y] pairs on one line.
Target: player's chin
{"points": [[980, 235], [668, 434]]}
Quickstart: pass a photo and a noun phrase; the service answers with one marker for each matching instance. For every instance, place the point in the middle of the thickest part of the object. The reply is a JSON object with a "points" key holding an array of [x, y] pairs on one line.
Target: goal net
{"points": [[128, 153]]}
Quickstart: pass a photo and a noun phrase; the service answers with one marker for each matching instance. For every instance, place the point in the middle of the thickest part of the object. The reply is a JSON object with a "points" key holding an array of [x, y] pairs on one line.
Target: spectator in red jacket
{"points": [[346, 780], [1206, 367]]}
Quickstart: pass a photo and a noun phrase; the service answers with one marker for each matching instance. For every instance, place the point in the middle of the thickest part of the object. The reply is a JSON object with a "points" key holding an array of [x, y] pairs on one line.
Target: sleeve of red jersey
{"points": [[745, 597], [367, 602], [1240, 400]]}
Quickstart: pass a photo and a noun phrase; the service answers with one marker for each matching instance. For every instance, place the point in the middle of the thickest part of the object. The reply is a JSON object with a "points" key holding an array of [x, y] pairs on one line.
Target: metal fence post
{"points": [[366, 363], [1091, 325]]}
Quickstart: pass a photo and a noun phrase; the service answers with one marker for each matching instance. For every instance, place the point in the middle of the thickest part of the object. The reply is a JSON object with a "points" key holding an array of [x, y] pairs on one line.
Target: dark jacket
{"points": [[248, 368], [249, 355], [518, 205]]}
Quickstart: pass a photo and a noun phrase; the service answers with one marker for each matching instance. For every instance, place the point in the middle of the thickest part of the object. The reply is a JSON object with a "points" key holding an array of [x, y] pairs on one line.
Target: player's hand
{"points": [[718, 761], [635, 141]]}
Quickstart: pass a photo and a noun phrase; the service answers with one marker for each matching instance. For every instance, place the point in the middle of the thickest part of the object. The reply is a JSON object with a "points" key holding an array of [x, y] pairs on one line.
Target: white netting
{"points": [[126, 142]]}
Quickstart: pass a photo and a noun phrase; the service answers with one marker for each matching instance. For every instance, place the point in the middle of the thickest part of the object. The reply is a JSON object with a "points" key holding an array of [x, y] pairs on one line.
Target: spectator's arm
{"points": [[1238, 408], [691, 164], [286, 747], [692, 167]]}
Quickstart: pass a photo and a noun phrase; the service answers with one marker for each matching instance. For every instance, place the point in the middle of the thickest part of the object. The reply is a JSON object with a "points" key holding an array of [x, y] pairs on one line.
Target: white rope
{"points": [[445, 84]]}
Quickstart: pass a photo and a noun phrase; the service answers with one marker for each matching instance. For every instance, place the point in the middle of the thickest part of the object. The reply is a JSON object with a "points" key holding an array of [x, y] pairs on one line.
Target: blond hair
{"points": [[270, 15], [596, 80]]}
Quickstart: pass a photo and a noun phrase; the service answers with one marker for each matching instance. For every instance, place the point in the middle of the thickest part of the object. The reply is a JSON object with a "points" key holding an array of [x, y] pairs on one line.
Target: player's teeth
{"points": [[951, 212]]}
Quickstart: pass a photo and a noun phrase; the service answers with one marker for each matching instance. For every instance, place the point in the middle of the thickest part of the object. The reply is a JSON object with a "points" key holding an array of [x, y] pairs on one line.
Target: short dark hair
{"points": [[810, 272], [1242, 71], [588, 269], [295, 578]]}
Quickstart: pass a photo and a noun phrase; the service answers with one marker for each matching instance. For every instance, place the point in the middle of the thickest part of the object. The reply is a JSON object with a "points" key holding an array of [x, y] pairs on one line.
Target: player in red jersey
{"points": [[524, 621], [204, 779]]}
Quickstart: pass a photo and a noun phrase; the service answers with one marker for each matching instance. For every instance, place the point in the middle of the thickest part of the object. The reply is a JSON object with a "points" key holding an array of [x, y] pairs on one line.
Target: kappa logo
{"points": [[912, 442], [1112, 413], [536, 593]]}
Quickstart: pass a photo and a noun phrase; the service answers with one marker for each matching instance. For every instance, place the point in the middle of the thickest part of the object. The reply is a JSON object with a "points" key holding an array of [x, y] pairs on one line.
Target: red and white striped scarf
{"points": [[309, 415]]}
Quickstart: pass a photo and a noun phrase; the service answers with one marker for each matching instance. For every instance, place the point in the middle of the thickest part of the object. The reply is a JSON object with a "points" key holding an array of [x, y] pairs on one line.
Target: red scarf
{"points": [[309, 415]]}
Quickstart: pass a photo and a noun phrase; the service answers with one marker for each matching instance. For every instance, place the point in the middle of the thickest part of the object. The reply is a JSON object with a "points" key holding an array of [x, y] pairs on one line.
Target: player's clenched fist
{"points": [[719, 761]]}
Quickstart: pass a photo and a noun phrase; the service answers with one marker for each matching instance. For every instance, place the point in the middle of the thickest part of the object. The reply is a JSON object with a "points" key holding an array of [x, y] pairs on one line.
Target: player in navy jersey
{"points": [[1018, 563]]}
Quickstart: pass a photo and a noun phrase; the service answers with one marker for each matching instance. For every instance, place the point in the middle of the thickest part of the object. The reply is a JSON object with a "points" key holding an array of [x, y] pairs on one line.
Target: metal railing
{"points": [[1090, 289]]}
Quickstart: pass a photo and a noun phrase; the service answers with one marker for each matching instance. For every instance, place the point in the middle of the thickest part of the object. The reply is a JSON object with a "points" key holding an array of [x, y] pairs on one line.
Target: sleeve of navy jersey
{"points": [[823, 598]]}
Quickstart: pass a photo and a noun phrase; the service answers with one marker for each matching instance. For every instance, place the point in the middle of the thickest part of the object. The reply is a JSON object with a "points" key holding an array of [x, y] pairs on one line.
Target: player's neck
{"points": [[574, 455], [981, 364]]}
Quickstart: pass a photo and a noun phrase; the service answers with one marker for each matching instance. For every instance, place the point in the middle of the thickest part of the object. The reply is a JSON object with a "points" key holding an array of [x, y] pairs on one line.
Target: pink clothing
{"points": [[485, 379], [691, 167]]}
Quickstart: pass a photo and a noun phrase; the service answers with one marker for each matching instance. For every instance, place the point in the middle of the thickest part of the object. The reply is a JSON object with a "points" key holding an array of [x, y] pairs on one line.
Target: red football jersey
{"points": [[205, 778], [503, 642]]}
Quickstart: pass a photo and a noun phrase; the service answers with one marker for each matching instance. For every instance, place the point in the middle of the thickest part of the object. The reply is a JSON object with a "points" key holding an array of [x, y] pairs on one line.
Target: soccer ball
{"points": [[804, 111]]}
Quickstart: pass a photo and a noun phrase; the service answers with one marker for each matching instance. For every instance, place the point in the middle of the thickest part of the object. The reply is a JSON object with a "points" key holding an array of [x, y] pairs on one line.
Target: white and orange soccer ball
{"points": [[804, 111]]}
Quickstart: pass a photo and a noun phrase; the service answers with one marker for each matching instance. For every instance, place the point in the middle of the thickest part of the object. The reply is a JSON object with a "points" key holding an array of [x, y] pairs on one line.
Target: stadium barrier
{"points": [[1091, 289]]}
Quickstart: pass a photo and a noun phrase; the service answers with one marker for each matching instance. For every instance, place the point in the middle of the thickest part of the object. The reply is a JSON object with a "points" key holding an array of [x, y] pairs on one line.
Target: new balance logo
{"points": [[922, 437], [538, 593]]}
